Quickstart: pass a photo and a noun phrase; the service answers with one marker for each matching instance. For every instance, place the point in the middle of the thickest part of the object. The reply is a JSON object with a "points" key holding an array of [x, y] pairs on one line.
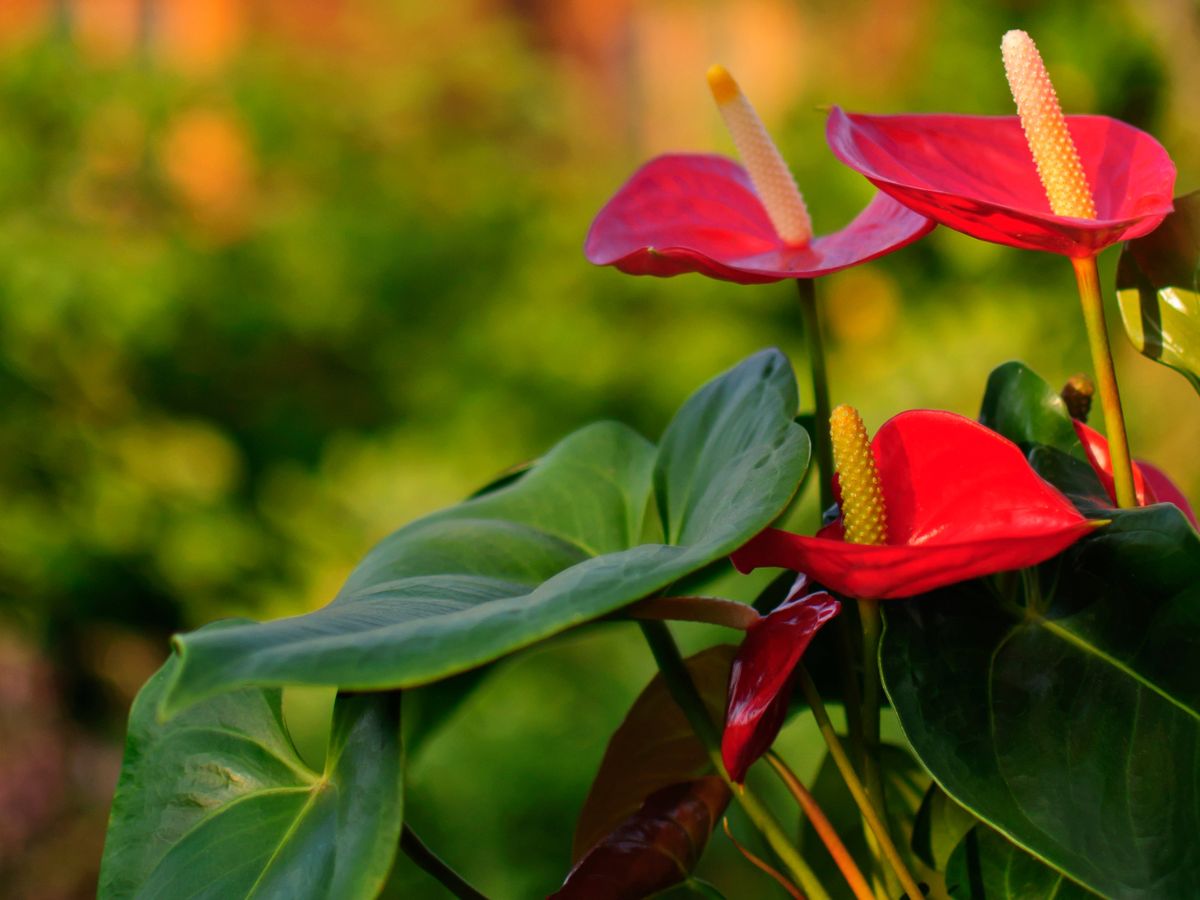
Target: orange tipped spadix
{"points": [[863, 512], [773, 181], [1045, 128]]}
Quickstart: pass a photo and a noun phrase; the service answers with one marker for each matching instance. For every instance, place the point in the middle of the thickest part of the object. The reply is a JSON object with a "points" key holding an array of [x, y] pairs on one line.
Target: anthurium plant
{"points": [[1020, 591]]}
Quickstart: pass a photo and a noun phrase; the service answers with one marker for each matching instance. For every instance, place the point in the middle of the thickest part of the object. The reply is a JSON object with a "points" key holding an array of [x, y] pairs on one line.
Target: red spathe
{"points": [[962, 502], [699, 213], [976, 174]]}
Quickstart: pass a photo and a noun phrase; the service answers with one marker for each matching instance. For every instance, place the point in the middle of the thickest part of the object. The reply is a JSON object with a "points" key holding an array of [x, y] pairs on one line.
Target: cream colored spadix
{"points": [[1045, 128], [772, 179]]}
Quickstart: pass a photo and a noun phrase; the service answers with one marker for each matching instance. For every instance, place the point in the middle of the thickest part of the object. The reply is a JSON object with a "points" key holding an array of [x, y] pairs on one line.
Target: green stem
{"points": [[811, 317], [820, 382], [416, 850], [872, 628], [855, 786], [1088, 278], [683, 691]]}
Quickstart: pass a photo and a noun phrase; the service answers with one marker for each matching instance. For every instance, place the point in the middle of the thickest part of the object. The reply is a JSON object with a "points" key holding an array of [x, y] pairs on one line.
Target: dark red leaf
{"points": [[976, 174], [654, 848]]}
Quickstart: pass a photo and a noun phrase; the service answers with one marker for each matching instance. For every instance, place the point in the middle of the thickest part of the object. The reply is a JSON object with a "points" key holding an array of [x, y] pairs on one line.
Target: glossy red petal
{"points": [[760, 682], [699, 213], [1150, 483], [962, 502], [976, 174]]}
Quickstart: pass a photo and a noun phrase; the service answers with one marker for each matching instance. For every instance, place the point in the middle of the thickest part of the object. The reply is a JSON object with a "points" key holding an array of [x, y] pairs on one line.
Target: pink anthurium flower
{"points": [[1150, 483], [703, 213], [760, 682], [961, 502], [700, 213]]}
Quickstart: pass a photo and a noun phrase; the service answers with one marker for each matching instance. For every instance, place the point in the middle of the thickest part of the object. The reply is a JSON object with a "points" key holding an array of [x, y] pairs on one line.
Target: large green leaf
{"points": [[1159, 293], [217, 803], [559, 546], [1068, 717], [985, 866]]}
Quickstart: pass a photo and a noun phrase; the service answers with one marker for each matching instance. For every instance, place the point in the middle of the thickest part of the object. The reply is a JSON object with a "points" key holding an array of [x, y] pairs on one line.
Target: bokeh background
{"points": [[277, 276]]}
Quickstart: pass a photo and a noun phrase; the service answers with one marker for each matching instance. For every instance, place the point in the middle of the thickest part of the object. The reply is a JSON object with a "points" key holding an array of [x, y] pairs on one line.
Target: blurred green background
{"points": [[277, 276]]}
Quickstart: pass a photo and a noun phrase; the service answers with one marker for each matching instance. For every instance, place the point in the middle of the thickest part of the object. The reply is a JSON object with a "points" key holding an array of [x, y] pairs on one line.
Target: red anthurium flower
{"points": [[974, 174], [961, 502], [702, 213], [760, 682], [1016, 180], [1151, 484]]}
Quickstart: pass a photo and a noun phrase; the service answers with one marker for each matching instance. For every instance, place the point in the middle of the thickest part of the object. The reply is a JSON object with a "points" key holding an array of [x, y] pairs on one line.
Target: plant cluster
{"points": [[1022, 592]]}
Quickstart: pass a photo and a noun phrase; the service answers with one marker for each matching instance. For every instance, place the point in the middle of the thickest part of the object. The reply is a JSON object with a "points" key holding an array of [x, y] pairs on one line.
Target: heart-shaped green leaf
{"points": [[1159, 293], [985, 866], [1019, 404], [559, 546], [1068, 716], [217, 803]]}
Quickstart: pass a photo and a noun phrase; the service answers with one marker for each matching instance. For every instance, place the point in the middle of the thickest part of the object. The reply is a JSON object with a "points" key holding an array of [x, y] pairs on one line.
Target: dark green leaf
{"points": [[939, 827], [1020, 405], [985, 866], [1158, 291], [217, 803], [1069, 717], [554, 549]]}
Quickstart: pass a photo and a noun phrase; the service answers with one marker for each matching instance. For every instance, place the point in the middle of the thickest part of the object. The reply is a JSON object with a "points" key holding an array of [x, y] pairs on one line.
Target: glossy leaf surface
{"points": [[985, 866], [216, 803], [1158, 291], [652, 749], [654, 848], [976, 174], [961, 500], [556, 548], [1069, 717], [1021, 406], [939, 827], [699, 213]]}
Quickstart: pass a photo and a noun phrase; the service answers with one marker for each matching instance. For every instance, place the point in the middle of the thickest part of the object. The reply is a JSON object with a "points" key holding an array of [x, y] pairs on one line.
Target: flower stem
{"points": [[857, 791], [1088, 278], [820, 383], [823, 827], [810, 315], [416, 850], [872, 628], [683, 691]]}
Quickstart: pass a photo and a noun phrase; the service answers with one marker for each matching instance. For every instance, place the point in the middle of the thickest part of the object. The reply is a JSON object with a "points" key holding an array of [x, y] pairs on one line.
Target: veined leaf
{"points": [[985, 866], [1069, 718], [217, 803], [1019, 404], [555, 548], [1158, 290]]}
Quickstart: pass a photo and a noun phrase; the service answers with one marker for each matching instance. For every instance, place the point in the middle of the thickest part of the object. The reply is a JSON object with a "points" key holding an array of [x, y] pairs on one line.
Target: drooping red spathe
{"points": [[962, 502], [760, 681], [976, 174], [699, 213], [1150, 483]]}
